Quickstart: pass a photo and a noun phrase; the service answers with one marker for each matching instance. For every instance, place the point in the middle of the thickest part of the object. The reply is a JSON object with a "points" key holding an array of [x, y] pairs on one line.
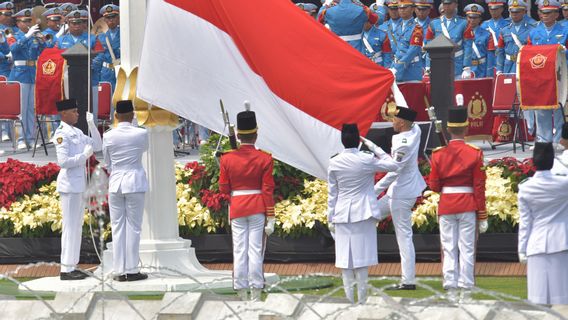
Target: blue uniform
{"points": [[539, 35], [377, 47], [424, 24], [5, 63], [52, 33], [25, 52], [380, 11], [407, 62], [389, 27], [107, 68], [494, 27], [482, 53], [347, 19], [459, 33]]}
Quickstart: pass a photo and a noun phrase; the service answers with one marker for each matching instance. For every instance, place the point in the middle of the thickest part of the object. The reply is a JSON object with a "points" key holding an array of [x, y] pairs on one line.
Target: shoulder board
{"points": [[561, 174], [438, 149], [368, 152], [333, 156], [107, 130], [524, 180], [474, 147], [268, 153], [224, 152]]}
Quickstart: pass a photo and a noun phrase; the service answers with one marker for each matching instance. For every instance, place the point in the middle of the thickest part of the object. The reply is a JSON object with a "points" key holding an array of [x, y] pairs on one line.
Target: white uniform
{"points": [[353, 208], [404, 186], [543, 236], [561, 164], [123, 147], [70, 143]]}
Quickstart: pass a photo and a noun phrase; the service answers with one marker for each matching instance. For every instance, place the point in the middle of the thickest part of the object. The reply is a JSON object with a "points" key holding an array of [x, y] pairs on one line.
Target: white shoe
{"points": [[5, 137], [243, 294], [452, 295], [531, 148], [22, 146], [255, 294], [465, 296]]}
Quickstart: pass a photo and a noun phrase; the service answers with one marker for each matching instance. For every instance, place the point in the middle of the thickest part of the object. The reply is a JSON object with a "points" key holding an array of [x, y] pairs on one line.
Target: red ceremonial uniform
{"points": [[248, 173], [459, 165]]}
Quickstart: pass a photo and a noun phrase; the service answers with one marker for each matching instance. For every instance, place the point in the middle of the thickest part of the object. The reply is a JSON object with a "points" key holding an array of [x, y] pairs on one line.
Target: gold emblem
{"points": [[109, 9], [504, 129], [59, 140], [477, 107], [545, 3], [56, 11], [474, 8], [28, 13], [538, 61], [515, 3], [77, 14], [388, 109], [48, 68]]}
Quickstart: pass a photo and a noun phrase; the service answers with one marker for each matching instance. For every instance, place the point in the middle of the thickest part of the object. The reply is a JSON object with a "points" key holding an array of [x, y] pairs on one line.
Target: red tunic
{"points": [[248, 169], [459, 165]]}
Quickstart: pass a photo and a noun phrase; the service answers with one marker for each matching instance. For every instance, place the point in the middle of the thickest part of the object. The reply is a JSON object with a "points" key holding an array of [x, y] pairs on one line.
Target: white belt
{"points": [[244, 192], [416, 59], [458, 53], [457, 190], [351, 37], [23, 63], [377, 58]]}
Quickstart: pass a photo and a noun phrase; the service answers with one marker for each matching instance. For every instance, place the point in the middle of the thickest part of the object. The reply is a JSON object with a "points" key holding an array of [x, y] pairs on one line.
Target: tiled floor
{"points": [[500, 269]]}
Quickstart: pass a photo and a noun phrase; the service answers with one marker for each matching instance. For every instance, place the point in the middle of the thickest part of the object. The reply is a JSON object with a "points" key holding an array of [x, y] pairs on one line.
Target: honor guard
{"points": [[495, 25], [543, 230], [457, 174], [77, 21], [246, 174], [482, 47], [422, 11], [549, 31], [454, 28], [407, 63], [561, 162], [511, 39], [54, 18], [392, 23], [564, 21], [25, 50], [348, 19], [352, 209], [123, 148], [377, 46], [7, 29], [73, 150], [403, 187], [110, 40], [309, 8]]}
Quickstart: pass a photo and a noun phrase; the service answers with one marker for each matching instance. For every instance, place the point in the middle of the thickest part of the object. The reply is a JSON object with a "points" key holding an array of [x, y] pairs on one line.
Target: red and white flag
{"points": [[303, 82]]}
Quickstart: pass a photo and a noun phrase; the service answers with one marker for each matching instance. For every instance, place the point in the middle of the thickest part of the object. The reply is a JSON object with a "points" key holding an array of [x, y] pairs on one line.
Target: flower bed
{"points": [[30, 206]]}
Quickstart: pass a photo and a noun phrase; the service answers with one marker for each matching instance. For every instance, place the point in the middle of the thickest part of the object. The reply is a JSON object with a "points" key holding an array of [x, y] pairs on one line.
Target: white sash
{"points": [[368, 45], [516, 39], [475, 49], [495, 40], [444, 29]]}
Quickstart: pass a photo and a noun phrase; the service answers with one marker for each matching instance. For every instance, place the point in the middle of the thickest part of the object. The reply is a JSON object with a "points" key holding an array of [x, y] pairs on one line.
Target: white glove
{"points": [[378, 190], [466, 74], [427, 70], [373, 147], [381, 2], [88, 151], [269, 228], [483, 226], [393, 70], [522, 258], [61, 31], [33, 30], [90, 118], [9, 57]]}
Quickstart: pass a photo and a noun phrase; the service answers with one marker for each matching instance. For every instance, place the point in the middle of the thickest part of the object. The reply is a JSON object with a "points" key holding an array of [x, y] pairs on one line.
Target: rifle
{"points": [[232, 136]]}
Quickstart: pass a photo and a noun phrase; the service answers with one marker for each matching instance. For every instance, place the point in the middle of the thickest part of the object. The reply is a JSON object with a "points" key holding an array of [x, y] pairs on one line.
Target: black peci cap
{"points": [[124, 106], [246, 122], [350, 135], [543, 155], [66, 104], [457, 117], [405, 113]]}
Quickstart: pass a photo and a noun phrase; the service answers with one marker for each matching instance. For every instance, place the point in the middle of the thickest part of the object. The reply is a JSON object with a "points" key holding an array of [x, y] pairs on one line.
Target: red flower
{"points": [[18, 178]]}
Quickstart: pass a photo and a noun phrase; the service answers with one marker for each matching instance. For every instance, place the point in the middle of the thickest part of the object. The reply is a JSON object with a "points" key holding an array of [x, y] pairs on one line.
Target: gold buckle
{"points": [[30, 63]]}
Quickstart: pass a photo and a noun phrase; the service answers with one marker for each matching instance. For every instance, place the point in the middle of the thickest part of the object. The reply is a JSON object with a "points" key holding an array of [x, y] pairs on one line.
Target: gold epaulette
{"points": [[438, 149], [471, 145], [268, 153], [222, 153]]}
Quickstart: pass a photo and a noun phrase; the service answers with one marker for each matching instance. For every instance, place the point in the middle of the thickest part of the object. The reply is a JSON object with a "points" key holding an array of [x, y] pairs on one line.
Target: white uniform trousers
{"points": [[356, 244], [547, 279], [126, 212], [457, 233], [248, 251], [401, 212], [73, 210]]}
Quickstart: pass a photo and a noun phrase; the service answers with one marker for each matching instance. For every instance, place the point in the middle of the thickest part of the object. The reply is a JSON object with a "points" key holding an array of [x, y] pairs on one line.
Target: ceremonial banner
{"points": [[538, 70], [504, 129], [302, 80], [417, 97], [477, 96], [49, 81]]}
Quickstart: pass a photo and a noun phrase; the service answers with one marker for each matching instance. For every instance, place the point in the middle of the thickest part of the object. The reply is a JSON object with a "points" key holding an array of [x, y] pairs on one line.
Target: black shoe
{"points": [[119, 278], [402, 286], [73, 275], [136, 276]]}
